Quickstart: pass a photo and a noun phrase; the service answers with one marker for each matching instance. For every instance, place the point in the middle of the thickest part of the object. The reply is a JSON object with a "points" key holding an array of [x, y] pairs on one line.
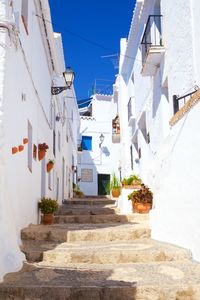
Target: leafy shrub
{"points": [[143, 195], [48, 205], [77, 191], [115, 183], [131, 179]]}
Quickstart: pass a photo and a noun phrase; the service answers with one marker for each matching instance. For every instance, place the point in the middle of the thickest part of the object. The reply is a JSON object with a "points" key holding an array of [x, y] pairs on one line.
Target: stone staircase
{"points": [[94, 253]]}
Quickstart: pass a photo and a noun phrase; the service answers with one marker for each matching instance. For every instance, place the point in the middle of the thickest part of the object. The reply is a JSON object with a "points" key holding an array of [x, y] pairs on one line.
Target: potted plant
{"points": [[80, 148], [14, 150], [77, 193], [115, 186], [25, 141], [42, 148], [20, 148], [141, 199], [50, 165], [132, 182], [48, 206]]}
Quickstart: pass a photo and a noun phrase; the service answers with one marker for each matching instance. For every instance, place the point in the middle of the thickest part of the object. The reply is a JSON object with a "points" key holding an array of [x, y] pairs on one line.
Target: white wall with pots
{"points": [[29, 66]]}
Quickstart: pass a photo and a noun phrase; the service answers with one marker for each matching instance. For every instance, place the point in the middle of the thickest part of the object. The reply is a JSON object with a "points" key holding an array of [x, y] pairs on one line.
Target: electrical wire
{"points": [[90, 41]]}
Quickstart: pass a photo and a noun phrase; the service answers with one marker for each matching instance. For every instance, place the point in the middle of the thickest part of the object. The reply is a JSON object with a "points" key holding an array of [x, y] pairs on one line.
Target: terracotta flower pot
{"points": [[47, 219], [142, 208], [49, 166], [116, 192], [14, 150], [21, 148], [25, 141], [41, 154]]}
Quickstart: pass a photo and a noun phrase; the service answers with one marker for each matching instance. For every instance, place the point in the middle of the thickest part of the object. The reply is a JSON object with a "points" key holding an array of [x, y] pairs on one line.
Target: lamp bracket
{"points": [[55, 90]]}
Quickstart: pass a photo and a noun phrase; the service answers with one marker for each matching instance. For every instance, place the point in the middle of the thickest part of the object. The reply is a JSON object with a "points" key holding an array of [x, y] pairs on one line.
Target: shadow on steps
{"points": [[65, 284]]}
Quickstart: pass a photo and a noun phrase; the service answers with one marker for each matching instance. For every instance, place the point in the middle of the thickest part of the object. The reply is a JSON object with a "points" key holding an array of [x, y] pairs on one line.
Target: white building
{"points": [[100, 137], [159, 61], [31, 61]]}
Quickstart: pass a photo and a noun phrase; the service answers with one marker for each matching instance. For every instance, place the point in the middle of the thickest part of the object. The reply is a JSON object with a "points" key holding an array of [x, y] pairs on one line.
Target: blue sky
{"points": [[101, 22]]}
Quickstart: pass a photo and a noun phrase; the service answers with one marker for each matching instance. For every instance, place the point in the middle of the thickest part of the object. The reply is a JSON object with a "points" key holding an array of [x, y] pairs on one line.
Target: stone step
{"points": [[115, 252], [86, 210], [90, 201], [152, 281], [99, 218], [109, 252], [86, 232]]}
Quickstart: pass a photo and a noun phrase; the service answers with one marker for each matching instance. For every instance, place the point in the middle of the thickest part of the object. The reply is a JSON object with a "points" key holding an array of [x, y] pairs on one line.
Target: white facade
{"points": [[103, 158], [166, 145], [31, 61]]}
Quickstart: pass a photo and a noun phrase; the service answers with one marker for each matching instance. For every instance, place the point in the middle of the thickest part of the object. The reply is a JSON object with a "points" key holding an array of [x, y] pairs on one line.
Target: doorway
{"points": [[103, 184], [63, 179], [43, 178]]}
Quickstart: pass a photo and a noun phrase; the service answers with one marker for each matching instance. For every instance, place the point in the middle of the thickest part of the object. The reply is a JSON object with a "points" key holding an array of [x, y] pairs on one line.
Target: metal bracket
{"points": [[55, 90]]}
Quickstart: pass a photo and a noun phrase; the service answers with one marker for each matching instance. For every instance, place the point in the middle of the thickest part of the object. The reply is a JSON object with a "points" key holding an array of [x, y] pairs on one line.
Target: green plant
{"points": [[48, 205], [51, 161], [77, 191], [131, 179], [115, 183], [107, 187], [80, 148], [143, 195], [43, 146]]}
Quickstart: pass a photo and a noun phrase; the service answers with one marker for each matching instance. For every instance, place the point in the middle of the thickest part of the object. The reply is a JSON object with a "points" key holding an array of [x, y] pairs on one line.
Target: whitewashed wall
{"points": [[26, 76], [104, 160], [169, 163]]}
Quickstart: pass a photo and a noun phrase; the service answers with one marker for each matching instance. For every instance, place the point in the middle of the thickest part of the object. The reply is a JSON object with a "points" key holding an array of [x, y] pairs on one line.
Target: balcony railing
{"points": [[152, 36]]}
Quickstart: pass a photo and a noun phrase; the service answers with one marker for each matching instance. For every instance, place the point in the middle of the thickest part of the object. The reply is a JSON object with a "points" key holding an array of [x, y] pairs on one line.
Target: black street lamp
{"points": [[69, 78]]}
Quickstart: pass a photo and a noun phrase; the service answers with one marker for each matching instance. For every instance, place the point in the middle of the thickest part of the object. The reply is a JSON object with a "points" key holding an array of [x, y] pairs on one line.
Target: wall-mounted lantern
{"points": [[69, 78], [101, 138]]}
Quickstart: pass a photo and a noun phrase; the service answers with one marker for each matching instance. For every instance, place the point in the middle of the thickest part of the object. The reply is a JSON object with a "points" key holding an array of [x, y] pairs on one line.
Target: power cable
{"points": [[90, 41]]}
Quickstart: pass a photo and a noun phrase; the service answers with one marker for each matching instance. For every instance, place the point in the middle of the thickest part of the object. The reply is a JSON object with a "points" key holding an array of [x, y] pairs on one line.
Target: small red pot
{"points": [[21, 148], [49, 166], [25, 141], [14, 150], [41, 154]]}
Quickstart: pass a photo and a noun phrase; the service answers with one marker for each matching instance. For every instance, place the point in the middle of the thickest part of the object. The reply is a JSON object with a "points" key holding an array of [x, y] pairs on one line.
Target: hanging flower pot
{"points": [[14, 150], [25, 141], [21, 148], [41, 154], [42, 148], [50, 165]]}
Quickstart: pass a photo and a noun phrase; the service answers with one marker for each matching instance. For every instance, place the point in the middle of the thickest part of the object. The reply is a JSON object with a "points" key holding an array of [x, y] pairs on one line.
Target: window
{"points": [[86, 175], [133, 78], [50, 181], [72, 115], [66, 182], [148, 138], [131, 152], [24, 14], [30, 146], [87, 143], [139, 153], [67, 138], [51, 115], [57, 187], [59, 141], [130, 108]]}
